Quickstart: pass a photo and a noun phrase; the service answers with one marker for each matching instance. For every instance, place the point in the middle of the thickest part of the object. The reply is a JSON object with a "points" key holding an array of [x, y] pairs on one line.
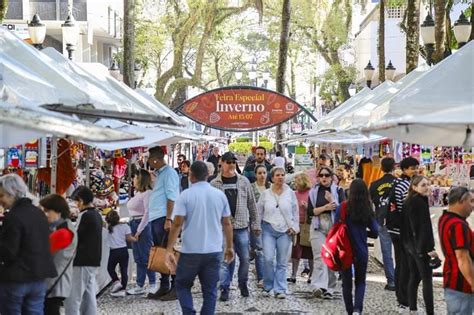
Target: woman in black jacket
{"points": [[417, 237], [25, 260]]}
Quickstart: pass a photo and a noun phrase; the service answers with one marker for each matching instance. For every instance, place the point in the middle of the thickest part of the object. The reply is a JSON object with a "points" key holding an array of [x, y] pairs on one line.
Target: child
{"points": [[118, 237]]}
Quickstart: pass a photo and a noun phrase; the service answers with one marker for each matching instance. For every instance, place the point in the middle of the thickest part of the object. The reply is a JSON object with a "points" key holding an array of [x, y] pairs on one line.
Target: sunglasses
{"points": [[325, 175], [230, 162]]}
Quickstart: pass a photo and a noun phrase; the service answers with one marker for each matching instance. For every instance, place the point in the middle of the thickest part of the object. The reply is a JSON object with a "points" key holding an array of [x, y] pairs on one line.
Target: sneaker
{"points": [[153, 288], [170, 296], [116, 286], [291, 280], [260, 284], [309, 280], [389, 287], [318, 293], [328, 296], [267, 293], [224, 295], [403, 309], [280, 296], [244, 291], [305, 272], [156, 296], [355, 313], [136, 291], [120, 293]]}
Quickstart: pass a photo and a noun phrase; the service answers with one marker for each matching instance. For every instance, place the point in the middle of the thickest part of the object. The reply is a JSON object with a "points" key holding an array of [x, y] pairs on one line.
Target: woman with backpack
{"points": [[359, 217], [63, 242], [418, 240], [323, 200]]}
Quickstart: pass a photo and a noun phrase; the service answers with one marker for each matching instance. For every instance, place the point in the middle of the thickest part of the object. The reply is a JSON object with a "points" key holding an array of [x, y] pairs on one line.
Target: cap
{"points": [[228, 156]]}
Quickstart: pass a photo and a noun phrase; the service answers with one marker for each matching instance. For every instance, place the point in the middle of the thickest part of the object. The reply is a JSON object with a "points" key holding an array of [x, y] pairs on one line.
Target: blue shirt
{"points": [[166, 188], [203, 207]]}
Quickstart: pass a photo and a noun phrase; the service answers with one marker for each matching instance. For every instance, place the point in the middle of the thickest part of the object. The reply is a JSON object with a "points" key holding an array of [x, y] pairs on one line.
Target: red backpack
{"points": [[337, 250]]}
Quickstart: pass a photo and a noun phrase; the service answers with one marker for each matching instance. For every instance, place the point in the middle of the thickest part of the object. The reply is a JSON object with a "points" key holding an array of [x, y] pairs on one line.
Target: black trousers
{"points": [[118, 256], [52, 305], [420, 271], [401, 271]]}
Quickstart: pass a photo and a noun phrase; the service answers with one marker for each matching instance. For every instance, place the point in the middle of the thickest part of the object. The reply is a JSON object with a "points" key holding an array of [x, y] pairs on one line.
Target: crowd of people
{"points": [[225, 220]]}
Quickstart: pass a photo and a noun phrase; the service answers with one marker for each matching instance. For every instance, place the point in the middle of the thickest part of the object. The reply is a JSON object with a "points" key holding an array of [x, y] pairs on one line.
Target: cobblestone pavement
{"points": [[298, 301]]}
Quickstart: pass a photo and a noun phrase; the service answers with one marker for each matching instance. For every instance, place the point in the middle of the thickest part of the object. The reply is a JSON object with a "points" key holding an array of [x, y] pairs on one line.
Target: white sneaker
{"points": [[120, 293], [116, 286], [402, 309], [266, 293], [280, 296], [153, 288], [136, 291]]}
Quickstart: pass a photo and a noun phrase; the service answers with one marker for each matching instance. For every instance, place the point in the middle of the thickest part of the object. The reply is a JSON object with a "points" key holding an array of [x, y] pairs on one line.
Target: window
{"points": [[395, 12]]}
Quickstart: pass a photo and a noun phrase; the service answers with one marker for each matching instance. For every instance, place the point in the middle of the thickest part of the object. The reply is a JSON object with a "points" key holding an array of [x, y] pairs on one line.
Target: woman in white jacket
{"points": [[278, 209]]}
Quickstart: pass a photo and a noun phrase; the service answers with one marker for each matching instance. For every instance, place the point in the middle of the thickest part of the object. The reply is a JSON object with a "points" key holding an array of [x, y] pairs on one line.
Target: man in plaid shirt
{"points": [[243, 208]]}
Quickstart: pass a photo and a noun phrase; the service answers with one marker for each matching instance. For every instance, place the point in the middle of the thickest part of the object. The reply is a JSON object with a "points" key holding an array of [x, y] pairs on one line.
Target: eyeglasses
{"points": [[230, 162], [324, 175]]}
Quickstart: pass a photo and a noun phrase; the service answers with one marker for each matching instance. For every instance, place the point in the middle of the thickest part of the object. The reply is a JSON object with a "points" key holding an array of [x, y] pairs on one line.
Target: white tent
{"points": [[438, 109], [19, 125]]}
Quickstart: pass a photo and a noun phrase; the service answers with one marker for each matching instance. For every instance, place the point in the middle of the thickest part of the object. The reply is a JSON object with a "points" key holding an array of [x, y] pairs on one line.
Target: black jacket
{"points": [[380, 194], [89, 239], [24, 245], [417, 232]]}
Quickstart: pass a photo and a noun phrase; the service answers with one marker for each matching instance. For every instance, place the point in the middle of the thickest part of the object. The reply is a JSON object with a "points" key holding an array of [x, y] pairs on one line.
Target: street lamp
{"points": [[266, 77], [334, 99], [369, 73], [70, 33], [462, 30], [114, 70], [253, 76], [136, 71], [238, 76], [390, 71], [427, 31], [37, 31], [352, 89]]}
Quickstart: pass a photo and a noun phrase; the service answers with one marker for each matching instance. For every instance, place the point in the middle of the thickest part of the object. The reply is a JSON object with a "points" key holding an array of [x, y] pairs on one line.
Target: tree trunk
{"points": [[413, 35], [282, 60], [381, 41], [472, 21], [129, 43], [440, 29], [3, 9]]}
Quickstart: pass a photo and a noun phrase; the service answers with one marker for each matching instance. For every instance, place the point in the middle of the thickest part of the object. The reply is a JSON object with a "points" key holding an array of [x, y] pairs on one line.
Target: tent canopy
{"points": [[19, 125]]}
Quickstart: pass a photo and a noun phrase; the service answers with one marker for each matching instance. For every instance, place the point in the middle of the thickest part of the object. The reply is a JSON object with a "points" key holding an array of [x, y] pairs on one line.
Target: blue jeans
{"points": [[160, 238], [22, 298], [280, 244], [360, 270], [386, 247], [458, 303], [241, 248], [257, 245], [206, 267], [141, 251]]}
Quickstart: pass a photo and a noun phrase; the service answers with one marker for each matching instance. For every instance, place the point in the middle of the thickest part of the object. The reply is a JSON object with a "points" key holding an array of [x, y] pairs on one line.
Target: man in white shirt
{"points": [[279, 161], [202, 212]]}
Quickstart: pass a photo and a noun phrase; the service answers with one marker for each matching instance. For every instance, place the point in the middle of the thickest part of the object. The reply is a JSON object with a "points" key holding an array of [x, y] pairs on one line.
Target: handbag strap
{"points": [[61, 275]]}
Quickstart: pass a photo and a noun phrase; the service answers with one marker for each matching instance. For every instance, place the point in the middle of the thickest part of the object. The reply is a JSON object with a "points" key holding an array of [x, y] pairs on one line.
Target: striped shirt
{"points": [[455, 233], [400, 191]]}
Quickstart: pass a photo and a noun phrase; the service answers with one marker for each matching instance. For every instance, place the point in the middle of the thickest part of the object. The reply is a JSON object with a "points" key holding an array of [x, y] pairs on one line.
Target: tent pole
{"points": [[54, 163], [88, 167]]}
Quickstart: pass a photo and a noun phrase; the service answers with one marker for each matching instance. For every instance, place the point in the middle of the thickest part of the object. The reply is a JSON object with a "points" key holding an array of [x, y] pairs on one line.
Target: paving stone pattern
{"points": [[298, 301]]}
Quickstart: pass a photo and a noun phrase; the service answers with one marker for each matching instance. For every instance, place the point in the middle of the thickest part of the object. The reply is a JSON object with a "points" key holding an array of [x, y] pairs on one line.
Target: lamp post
{"points": [[352, 89], [136, 71], [369, 73], [238, 76], [266, 77], [114, 70], [390, 71], [427, 32], [37, 31], [462, 30], [70, 33], [334, 99]]}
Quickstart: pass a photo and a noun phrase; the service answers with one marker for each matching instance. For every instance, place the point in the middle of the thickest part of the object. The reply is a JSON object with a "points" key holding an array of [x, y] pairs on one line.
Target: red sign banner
{"points": [[240, 108]]}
